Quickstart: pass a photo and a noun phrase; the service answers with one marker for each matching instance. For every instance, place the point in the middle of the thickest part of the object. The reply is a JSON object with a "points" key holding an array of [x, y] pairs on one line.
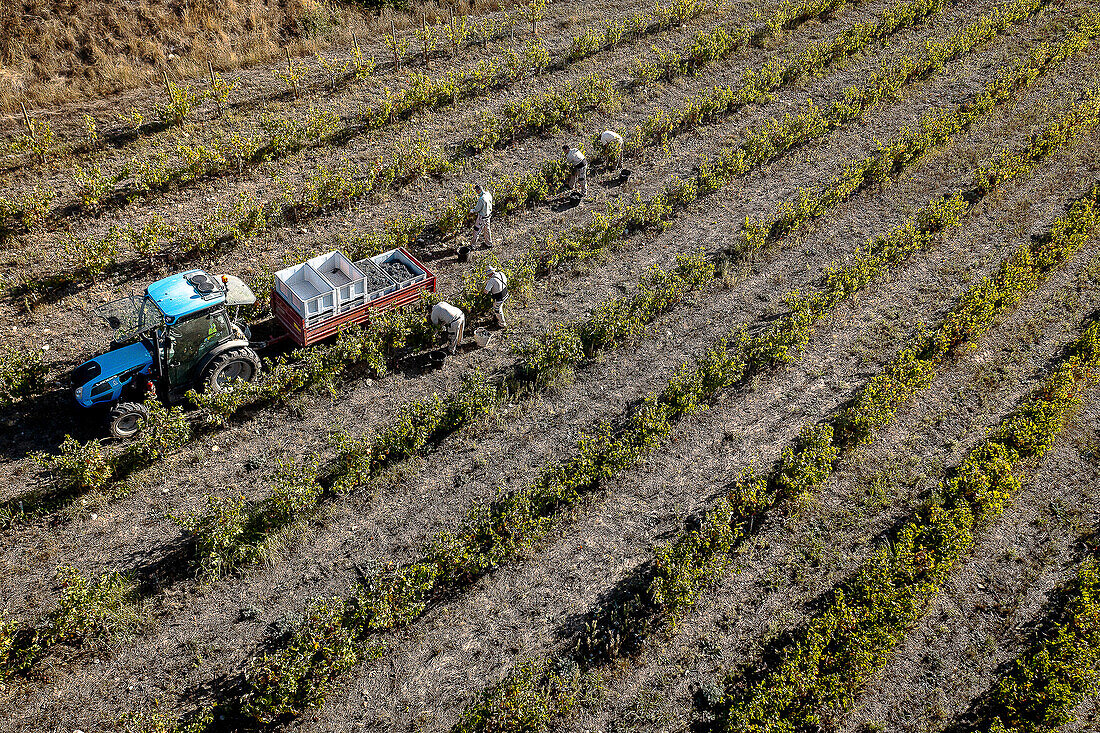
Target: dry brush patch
{"points": [[51, 52]]}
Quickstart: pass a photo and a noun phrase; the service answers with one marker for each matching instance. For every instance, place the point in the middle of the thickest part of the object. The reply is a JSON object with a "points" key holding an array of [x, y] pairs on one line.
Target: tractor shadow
{"points": [[41, 422]]}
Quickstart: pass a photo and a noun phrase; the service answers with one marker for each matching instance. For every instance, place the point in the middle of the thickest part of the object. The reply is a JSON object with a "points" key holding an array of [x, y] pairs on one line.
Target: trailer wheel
{"points": [[236, 365], [127, 419]]}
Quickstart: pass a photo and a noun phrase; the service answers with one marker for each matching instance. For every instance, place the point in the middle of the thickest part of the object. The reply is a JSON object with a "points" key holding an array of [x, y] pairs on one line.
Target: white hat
{"points": [[492, 269]]}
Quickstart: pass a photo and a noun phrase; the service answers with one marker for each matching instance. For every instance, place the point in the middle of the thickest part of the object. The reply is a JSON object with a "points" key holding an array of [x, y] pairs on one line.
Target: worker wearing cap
{"points": [[451, 320], [612, 144], [578, 169], [496, 287], [482, 211]]}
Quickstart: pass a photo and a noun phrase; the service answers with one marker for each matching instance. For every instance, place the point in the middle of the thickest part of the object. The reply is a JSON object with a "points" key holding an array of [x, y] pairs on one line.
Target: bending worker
{"points": [[496, 287], [482, 211], [578, 169], [612, 144], [451, 320]]}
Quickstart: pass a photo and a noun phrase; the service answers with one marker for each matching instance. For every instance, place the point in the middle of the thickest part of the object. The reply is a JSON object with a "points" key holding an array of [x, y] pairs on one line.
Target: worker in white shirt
{"points": [[612, 144], [496, 287], [483, 212], [578, 169], [451, 320]]}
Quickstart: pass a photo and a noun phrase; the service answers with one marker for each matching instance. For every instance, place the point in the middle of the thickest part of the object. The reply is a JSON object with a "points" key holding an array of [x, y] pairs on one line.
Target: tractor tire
{"points": [[240, 364], [127, 419]]}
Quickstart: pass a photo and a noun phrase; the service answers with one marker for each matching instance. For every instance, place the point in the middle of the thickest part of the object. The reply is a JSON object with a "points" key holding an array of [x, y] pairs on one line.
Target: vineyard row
{"points": [[301, 674], [545, 110], [666, 588], [399, 440]]}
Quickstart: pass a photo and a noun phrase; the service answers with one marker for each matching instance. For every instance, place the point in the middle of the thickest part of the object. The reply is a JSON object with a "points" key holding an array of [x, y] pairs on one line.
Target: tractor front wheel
{"points": [[127, 419], [236, 365]]}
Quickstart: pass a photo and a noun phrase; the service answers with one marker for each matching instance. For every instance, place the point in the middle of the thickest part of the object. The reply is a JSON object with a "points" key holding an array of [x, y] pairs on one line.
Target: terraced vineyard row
{"points": [[842, 646], [670, 583]]}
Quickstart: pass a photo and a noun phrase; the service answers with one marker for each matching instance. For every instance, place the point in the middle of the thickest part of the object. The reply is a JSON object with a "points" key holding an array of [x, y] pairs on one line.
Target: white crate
{"points": [[313, 297], [344, 276]]}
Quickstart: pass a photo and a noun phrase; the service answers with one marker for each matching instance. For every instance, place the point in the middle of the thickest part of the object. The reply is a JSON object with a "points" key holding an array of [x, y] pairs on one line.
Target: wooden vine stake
{"points": [[214, 87], [393, 44], [290, 74], [167, 85], [31, 132]]}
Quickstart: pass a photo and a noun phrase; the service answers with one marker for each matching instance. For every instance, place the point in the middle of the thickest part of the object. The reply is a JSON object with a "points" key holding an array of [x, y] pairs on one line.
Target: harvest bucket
{"points": [[483, 336], [463, 253]]}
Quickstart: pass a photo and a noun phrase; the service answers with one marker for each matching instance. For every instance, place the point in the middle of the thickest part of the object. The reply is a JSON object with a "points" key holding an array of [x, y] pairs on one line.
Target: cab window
{"points": [[192, 338]]}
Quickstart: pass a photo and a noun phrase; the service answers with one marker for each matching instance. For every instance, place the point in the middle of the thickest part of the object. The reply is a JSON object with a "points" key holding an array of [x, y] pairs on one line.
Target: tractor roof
{"points": [[185, 293]]}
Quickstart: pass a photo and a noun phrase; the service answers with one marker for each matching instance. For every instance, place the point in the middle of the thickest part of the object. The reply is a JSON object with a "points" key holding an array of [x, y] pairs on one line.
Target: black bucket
{"points": [[624, 175], [463, 254], [437, 357]]}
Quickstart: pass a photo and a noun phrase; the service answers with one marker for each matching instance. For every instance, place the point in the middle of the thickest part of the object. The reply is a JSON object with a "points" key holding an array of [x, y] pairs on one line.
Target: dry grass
{"points": [[56, 51]]}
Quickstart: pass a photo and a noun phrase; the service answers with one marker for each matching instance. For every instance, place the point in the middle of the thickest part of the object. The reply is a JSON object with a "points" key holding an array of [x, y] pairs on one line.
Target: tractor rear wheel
{"points": [[127, 419], [236, 365]]}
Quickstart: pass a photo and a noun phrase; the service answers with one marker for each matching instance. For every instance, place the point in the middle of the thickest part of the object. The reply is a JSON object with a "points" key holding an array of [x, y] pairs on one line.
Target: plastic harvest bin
{"points": [[390, 286], [417, 272], [306, 331], [345, 278], [311, 295]]}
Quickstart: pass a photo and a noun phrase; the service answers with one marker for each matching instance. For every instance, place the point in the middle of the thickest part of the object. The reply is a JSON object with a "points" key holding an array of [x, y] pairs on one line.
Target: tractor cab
{"points": [[177, 336]]}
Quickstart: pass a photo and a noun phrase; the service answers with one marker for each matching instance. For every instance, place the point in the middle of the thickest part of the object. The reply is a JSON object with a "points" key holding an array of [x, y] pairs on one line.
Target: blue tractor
{"points": [[178, 335]]}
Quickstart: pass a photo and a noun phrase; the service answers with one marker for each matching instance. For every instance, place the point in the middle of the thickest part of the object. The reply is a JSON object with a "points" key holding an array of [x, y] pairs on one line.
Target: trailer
{"points": [[184, 331], [313, 300]]}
